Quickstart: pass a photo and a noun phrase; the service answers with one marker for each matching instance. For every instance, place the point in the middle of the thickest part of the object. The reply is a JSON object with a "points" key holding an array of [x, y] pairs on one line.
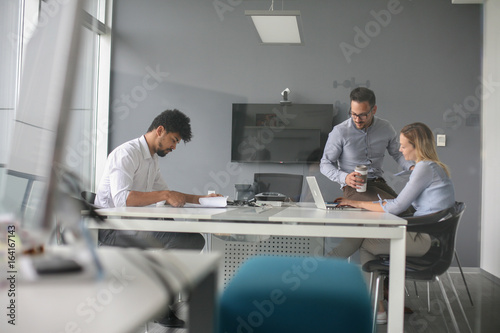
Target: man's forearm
{"points": [[174, 198], [136, 198]]}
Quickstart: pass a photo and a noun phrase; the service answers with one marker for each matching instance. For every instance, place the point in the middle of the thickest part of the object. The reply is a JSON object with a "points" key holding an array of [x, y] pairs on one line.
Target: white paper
{"points": [[216, 202]]}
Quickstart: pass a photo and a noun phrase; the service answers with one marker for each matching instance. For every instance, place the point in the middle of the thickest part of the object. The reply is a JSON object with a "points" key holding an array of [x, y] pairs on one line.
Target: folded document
{"points": [[215, 202]]}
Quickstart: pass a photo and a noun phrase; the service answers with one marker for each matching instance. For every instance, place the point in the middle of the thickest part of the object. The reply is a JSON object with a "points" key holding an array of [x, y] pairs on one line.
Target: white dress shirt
{"points": [[129, 167]]}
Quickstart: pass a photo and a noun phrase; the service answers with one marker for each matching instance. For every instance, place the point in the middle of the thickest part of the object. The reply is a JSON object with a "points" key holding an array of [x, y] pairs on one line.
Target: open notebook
{"points": [[318, 197]]}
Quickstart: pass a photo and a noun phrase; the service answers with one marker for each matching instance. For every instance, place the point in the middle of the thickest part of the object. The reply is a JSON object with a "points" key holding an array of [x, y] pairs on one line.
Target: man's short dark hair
{"points": [[173, 121], [362, 94]]}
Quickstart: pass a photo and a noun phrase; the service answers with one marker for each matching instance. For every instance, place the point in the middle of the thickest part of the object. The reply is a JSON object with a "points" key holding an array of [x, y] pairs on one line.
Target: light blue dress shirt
{"points": [[429, 190], [347, 146]]}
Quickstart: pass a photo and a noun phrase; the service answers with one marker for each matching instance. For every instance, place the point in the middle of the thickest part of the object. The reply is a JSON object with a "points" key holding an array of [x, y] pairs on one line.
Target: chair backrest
{"points": [[268, 295], [88, 196], [284, 183], [443, 233]]}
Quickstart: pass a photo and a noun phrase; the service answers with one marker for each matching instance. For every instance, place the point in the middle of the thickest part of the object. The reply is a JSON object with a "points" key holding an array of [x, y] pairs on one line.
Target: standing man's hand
{"points": [[354, 180]]}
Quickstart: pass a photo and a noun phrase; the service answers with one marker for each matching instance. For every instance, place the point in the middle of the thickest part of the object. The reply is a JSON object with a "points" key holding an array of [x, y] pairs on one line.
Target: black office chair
{"points": [[88, 196], [434, 217], [442, 227], [88, 209], [88, 205], [284, 183]]}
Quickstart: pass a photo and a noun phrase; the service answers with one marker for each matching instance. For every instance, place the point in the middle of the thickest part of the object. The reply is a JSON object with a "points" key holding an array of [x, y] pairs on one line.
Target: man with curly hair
{"points": [[132, 178]]}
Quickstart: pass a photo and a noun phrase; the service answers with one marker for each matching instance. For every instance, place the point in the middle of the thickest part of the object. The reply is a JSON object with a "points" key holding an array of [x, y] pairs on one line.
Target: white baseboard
{"points": [[490, 276]]}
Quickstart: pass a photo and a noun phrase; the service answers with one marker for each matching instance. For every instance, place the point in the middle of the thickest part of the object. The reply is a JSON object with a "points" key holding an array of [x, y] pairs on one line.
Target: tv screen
{"points": [[275, 133]]}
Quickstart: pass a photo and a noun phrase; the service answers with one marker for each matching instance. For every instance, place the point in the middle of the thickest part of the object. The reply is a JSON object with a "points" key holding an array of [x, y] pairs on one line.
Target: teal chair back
{"points": [[295, 294]]}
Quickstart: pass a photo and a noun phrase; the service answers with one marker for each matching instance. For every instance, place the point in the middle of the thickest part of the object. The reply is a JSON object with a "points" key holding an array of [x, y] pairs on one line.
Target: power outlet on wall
{"points": [[441, 140]]}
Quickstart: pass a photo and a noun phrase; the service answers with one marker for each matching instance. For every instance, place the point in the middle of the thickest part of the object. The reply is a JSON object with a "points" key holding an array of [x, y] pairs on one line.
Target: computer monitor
{"points": [[288, 184]]}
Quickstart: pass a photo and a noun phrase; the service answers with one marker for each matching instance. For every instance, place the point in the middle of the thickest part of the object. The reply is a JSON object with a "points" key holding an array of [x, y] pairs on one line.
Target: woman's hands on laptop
{"points": [[343, 202]]}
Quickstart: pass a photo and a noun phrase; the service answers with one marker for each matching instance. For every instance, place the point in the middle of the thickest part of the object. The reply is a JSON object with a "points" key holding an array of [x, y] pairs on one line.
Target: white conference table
{"points": [[135, 288], [304, 220]]}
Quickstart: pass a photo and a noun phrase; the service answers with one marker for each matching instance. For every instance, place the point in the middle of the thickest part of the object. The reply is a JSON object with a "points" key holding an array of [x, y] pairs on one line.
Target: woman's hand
{"points": [[373, 206], [345, 202]]}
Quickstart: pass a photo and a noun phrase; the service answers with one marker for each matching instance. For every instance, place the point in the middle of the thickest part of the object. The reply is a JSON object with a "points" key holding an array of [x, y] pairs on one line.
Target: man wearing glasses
{"points": [[362, 140]]}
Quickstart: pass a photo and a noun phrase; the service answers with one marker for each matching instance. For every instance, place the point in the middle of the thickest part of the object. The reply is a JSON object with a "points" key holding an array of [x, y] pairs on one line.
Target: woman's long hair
{"points": [[422, 138]]}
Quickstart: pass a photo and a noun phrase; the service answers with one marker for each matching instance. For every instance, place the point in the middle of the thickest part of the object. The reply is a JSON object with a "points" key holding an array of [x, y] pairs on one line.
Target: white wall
{"points": [[490, 229]]}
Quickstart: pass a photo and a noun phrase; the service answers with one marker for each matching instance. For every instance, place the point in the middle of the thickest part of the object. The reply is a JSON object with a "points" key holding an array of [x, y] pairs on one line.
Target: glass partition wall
{"points": [[19, 18], [9, 55]]}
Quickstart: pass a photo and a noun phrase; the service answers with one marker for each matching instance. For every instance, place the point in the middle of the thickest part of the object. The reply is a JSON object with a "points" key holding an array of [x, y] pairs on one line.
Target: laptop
{"points": [[318, 197]]}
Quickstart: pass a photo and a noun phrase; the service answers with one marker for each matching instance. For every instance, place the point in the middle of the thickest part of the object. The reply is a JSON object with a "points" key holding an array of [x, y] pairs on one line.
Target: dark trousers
{"points": [[373, 189], [152, 239]]}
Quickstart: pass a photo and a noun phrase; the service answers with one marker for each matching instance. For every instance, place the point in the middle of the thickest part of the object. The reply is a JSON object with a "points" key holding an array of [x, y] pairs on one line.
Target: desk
{"points": [[130, 294], [304, 220]]}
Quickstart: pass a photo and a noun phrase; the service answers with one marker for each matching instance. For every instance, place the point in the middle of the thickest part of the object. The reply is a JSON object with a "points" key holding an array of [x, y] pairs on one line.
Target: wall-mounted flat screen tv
{"points": [[275, 133]]}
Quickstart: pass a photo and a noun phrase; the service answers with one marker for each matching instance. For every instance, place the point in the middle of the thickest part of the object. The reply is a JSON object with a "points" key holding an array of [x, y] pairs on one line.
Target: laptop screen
{"points": [[316, 193]]}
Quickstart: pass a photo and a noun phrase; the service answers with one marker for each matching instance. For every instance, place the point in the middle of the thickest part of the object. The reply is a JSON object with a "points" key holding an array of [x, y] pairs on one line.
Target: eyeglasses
{"points": [[362, 116]]}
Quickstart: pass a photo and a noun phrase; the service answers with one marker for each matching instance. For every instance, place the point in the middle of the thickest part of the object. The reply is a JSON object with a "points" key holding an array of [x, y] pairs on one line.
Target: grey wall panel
{"points": [[422, 59]]}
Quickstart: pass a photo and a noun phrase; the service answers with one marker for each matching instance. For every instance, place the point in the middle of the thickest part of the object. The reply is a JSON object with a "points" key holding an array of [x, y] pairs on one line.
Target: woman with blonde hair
{"points": [[428, 190]]}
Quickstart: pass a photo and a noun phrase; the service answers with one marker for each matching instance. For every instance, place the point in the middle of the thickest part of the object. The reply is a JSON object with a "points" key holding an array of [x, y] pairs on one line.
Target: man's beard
{"points": [[163, 153]]}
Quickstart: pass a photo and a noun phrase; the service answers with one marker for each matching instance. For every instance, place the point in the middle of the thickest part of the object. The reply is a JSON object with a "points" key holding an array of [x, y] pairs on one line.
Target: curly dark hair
{"points": [[173, 121], [362, 94]]}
